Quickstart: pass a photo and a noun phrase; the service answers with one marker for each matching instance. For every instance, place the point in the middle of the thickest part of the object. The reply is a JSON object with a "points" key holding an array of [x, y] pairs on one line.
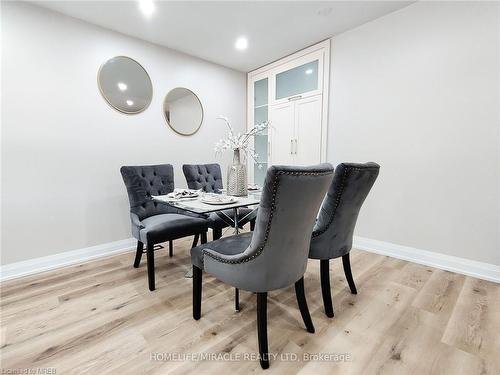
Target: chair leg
{"points": [[195, 240], [197, 276], [203, 237], [304, 310], [262, 329], [216, 234], [170, 248], [348, 274], [151, 266], [237, 299], [138, 254], [325, 287], [252, 225]]}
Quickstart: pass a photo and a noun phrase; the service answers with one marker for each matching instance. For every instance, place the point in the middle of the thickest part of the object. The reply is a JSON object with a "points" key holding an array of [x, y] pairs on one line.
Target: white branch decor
{"points": [[240, 141]]}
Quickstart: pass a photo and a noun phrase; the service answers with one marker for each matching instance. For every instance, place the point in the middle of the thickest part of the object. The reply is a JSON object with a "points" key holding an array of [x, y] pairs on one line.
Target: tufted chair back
{"points": [[144, 181], [203, 176], [333, 233]]}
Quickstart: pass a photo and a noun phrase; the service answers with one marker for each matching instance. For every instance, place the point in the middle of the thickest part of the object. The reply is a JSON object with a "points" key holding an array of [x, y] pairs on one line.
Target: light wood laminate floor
{"points": [[99, 317]]}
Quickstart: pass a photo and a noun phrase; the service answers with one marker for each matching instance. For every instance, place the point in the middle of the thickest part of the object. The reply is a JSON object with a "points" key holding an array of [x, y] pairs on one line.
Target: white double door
{"points": [[296, 131]]}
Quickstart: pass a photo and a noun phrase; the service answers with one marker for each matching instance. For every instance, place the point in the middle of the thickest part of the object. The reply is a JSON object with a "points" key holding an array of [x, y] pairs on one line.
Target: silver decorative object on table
{"points": [[237, 182]]}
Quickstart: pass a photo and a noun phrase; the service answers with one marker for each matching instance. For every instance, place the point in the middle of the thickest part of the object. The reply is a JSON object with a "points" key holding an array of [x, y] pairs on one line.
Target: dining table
{"points": [[198, 205]]}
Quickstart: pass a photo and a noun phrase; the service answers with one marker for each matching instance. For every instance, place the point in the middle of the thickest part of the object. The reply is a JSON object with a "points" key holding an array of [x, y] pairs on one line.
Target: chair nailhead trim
{"points": [[347, 171], [271, 214]]}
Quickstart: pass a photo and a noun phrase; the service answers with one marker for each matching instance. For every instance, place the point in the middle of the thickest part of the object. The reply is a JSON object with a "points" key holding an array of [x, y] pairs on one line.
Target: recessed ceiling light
{"points": [[241, 43], [122, 86], [130, 102], [309, 71], [147, 7]]}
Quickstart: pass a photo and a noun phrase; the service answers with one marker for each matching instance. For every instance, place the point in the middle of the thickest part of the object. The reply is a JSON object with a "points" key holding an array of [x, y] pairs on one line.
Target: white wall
{"points": [[62, 145], [418, 91]]}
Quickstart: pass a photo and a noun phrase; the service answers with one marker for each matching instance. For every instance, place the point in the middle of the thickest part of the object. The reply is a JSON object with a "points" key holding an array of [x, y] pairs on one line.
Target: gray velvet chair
{"points": [[153, 222], [275, 255], [208, 177], [333, 232]]}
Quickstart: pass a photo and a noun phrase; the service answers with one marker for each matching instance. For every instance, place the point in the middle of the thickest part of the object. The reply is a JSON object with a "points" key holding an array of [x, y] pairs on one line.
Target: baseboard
{"points": [[32, 266], [485, 271], [464, 266]]}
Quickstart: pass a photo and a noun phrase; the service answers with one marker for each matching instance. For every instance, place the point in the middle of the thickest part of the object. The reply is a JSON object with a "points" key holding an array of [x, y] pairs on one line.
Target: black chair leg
{"points": [[262, 329], [203, 237], [304, 310], [252, 225], [236, 299], [197, 276], [348, 274], [170, 248], [195, 240], [325, 287], [138, 254], [216, 234], [150, 255]]}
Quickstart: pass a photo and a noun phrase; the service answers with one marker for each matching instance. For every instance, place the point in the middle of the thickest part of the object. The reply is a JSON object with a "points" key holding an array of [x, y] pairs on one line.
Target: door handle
{"points": [[291, 146], [296, 146], [296, 97]]}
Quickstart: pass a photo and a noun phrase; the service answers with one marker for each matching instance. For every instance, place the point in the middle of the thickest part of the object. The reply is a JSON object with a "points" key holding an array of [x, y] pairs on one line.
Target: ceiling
{"points": [[208, 29]]}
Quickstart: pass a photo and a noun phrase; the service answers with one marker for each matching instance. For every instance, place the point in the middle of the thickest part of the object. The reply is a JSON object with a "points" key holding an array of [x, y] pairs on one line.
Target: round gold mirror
{"points": [[183, 111], [125, 85]]}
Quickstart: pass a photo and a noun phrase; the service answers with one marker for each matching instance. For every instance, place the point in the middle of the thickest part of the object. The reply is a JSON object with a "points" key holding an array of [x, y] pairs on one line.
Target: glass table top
{"points": [[197, 206]]}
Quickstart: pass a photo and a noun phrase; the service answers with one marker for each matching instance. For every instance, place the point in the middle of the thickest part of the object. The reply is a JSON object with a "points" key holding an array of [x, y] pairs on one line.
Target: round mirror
{"points": [[125, 84], [183, 111]]}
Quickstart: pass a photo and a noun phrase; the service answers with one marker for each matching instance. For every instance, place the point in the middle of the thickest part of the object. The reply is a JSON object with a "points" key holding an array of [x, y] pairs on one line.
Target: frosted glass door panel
{"points": [[260, 93], [261, 147], [259, 174], [260, 168], [298, 80], [260, 114]]}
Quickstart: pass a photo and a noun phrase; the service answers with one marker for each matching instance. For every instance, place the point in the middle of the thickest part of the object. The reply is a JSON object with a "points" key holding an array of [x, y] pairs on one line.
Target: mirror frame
{"points": [[111, 104], [165, 114]]}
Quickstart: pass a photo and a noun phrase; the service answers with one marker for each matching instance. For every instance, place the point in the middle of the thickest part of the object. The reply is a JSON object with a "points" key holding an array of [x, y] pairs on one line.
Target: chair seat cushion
{"points": [[164, 227], [228, 246], [216, 221]]}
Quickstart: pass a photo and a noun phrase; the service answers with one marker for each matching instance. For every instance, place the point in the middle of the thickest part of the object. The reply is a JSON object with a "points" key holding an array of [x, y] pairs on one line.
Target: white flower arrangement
{"points": [[240, 141]]}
